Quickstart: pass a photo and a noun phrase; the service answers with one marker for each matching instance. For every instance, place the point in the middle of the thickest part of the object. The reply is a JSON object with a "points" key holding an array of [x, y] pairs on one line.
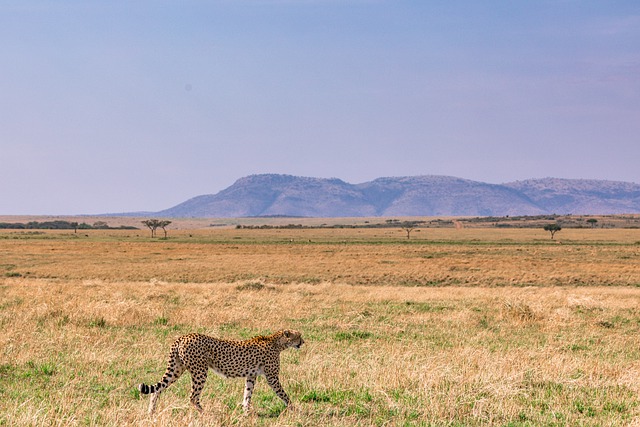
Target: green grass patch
{"points": [[97, 322], [352, 335]]}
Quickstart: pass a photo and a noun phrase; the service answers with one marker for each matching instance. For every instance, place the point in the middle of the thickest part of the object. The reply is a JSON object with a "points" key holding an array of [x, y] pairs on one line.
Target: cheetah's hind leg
{"points": [[153, 401], [198, 379]]}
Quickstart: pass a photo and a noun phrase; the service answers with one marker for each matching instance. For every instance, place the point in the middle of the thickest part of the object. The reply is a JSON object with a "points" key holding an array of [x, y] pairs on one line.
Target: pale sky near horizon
{"points": [[126, 106]]}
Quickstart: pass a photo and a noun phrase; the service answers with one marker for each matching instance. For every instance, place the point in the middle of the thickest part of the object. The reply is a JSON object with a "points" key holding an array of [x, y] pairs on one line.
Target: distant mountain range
{"points": [[430, 195]]}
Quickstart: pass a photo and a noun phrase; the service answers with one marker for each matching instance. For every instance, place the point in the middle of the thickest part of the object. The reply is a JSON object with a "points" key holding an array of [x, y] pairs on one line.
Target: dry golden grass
{"points": [[72, 353], [84, 319], [439, 257]]}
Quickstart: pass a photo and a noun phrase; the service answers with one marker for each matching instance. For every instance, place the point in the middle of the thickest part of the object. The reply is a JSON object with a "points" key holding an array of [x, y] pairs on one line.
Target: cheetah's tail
{"points": [[148, 389], [173, 371], [170, 375]]}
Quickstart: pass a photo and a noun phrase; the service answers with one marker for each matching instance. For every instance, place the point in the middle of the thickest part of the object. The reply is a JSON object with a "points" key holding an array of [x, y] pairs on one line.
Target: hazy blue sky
{"points": [[112, 106]]}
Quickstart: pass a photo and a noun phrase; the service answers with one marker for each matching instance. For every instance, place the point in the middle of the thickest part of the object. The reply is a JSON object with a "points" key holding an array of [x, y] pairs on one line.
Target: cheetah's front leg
{"points": [[274, 383], [248, 391]]}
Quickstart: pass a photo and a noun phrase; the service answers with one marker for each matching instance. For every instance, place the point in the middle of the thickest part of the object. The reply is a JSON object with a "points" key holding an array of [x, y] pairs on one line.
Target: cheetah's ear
{"points": [[287, 333]]}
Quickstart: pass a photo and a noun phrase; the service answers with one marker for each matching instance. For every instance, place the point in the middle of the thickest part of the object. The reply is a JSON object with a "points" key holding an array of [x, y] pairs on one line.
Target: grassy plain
{"points": [[468, 327]]}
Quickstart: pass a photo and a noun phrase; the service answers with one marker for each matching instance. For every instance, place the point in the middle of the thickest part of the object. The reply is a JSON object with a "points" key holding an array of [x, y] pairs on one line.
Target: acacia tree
{"points": [[408, 229], [162, 224], [409, 226], [153, 225], [592, 222], [553, 229]]}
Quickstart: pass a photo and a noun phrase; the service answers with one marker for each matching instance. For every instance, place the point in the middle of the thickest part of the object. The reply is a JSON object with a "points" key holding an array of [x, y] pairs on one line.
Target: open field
{"points": [[433, 257], [467, 327]]}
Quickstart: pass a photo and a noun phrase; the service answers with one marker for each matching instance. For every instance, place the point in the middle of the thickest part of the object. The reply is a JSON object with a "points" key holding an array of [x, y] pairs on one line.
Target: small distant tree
{"points": [[408, 229], [162, 224], [592, 222], [553, 229], [409, 226], [153, 225]]}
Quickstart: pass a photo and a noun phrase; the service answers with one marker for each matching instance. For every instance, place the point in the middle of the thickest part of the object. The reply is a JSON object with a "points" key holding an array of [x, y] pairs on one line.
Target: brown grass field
{"points": [[471, 327]]}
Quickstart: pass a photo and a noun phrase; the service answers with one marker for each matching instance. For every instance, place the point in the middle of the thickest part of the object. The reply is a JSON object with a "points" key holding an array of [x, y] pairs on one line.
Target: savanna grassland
{"points": [[469, 327]]}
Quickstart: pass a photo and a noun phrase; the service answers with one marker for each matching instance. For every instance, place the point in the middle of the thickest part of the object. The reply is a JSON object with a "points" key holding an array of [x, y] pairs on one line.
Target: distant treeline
{"points": [[61, 225], [533, 221], [390, 223]]}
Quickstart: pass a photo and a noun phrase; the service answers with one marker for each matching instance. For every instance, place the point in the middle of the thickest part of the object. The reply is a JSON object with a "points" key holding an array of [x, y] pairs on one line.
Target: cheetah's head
{"points": [[291, 338]]}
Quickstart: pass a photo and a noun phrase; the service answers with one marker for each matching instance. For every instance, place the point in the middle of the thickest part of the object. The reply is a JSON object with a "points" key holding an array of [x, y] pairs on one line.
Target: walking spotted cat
{"points": [[197, 353]]}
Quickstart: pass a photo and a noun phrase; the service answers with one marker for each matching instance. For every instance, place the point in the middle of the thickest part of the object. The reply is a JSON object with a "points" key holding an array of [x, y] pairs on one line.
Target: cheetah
{"points": [[197, 353]]}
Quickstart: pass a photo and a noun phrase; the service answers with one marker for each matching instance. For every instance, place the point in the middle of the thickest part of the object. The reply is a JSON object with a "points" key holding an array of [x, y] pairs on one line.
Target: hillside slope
{"points": [[581, 196], [429, 195]]}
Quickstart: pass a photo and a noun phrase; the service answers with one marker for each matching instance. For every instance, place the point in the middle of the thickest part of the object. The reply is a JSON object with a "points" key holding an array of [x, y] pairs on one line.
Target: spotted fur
{"points": [[197, 353]]}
